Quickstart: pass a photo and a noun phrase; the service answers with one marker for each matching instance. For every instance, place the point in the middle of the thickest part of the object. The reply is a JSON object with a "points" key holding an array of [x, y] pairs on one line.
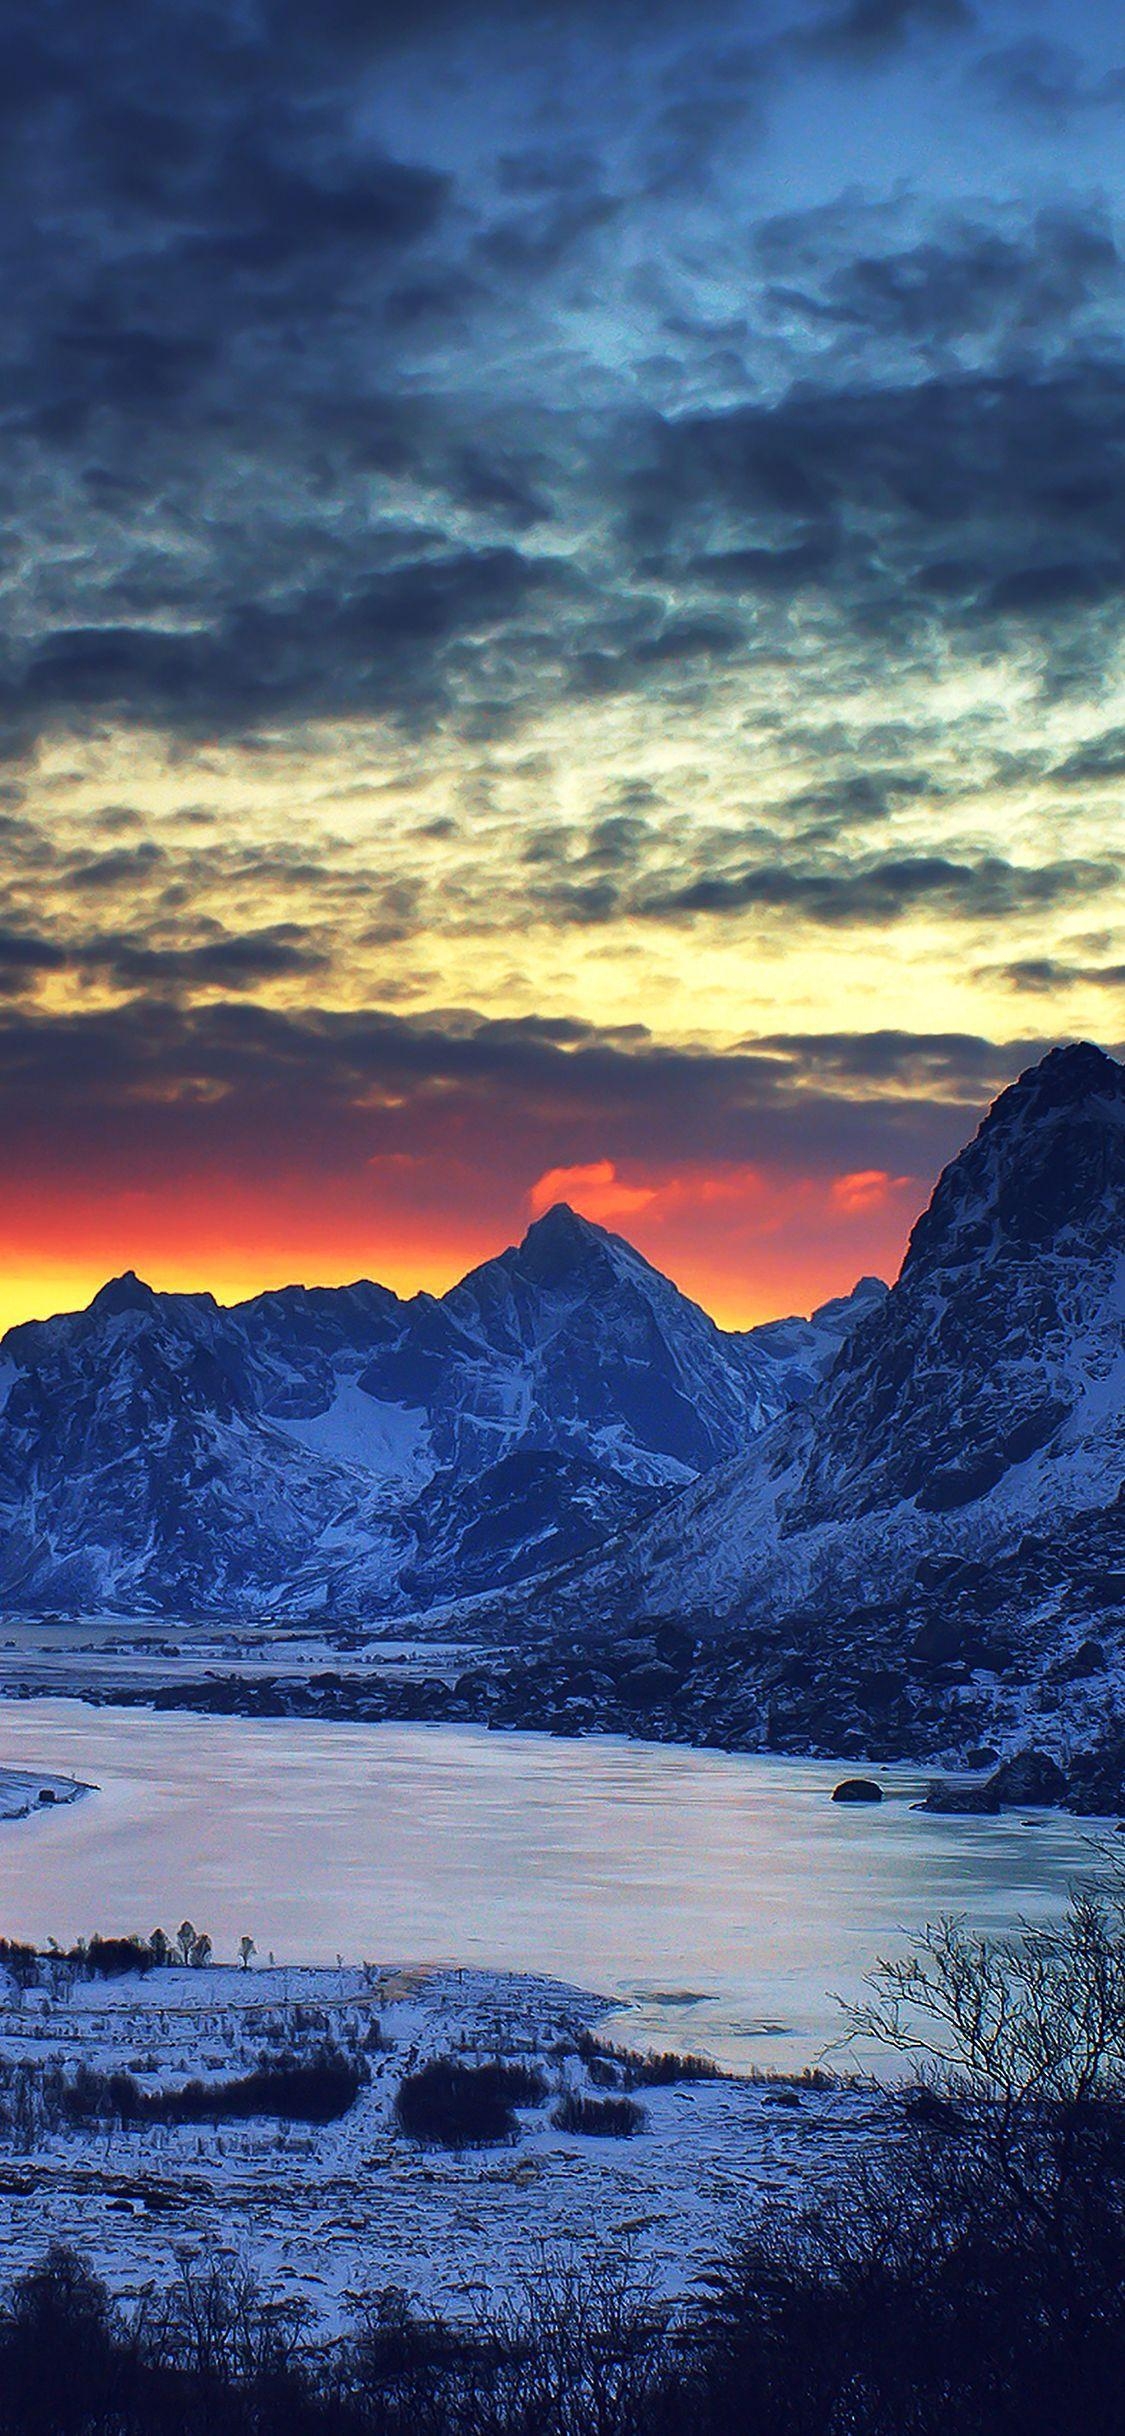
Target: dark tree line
{"points": [[928, 2296], [29, 1966]]}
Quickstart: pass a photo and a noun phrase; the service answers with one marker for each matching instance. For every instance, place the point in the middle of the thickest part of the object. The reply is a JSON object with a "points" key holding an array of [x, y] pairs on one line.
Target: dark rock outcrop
{"points": [[1030, 1780], [960, 1801]]}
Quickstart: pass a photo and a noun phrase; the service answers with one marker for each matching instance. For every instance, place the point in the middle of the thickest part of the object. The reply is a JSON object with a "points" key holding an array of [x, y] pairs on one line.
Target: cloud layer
{"points": [[604, 518]]}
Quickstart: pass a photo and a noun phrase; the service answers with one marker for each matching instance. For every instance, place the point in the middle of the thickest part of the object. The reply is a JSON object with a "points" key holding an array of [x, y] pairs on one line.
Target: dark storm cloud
{"points": [[377, 644], [990, 455], [233, 963], [445, 367], [946, 510], [500, 485], [765, 573], [857, 799], [965, 278], [531, 244], [961, 1062], [866, 30], [196, 229], [174, 149], [619, 868], [1098, 759], [222, 961], [1040, 976], [353, 29], [242, 337], [128, 867], [1047, 82], [617, 842], [834, 894], [990, 890], [1060, 584], [256, 1088], [24, 960], [721, 91], [711, 96], [235, 321]]}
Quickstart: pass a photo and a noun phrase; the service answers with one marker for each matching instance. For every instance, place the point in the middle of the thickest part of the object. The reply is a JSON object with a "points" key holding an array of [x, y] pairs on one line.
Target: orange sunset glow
{"points": [[745, 1244], [559, 643]]}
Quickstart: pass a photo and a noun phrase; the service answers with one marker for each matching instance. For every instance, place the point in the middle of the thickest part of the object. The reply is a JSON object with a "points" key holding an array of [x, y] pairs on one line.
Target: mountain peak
{"points": [[976, 1412], [558, 1243], [562, 1230], [125, 1293], [1047, 1162], [1066, 1077]]}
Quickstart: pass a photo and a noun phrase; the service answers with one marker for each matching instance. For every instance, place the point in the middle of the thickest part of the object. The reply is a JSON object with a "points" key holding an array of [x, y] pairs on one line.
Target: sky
{"points": [[562, 624]]}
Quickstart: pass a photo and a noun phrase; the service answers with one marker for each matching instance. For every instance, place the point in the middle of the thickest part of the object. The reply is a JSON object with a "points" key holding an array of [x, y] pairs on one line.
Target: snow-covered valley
{"points": [[168, 2119]]}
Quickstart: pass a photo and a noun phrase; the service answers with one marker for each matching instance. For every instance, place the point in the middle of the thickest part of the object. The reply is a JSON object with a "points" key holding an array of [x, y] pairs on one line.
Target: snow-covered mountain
{"points": [[978, 1406], [339, 1446]]}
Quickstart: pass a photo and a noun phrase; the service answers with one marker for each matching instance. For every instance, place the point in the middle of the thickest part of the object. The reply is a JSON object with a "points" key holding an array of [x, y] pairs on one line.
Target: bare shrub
{"points": [[450, 2104], [601, 2118]]}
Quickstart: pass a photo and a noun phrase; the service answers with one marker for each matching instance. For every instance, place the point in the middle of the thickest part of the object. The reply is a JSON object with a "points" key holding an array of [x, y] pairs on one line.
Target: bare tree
{"points": [[584, 2343], [217, 2325], [1031, 2019], [1019, 2044]]}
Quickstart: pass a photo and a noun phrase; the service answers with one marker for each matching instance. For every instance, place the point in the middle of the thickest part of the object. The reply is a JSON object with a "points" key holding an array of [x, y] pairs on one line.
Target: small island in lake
{"points": [[23, 1790]]}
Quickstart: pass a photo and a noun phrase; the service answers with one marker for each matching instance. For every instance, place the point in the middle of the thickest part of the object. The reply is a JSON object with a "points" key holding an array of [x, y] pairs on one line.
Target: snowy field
{"points": [[328, 2214]]}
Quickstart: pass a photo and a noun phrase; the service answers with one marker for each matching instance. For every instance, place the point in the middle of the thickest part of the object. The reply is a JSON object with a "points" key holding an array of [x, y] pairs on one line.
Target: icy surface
{"points": [[719, 1899]]}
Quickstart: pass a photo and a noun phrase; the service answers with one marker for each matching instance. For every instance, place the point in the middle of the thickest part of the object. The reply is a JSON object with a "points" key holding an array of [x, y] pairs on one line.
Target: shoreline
{"points": [[478, 1698]]}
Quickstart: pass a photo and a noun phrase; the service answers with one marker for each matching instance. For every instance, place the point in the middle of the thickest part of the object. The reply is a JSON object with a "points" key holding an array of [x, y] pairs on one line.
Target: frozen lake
{"points": [[721, 1898]]}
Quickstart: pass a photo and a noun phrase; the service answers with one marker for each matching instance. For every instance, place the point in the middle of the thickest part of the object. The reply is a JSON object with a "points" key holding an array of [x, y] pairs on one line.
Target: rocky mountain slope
{"points": [[927, 1554], [982, 1398], [340, 1448]]}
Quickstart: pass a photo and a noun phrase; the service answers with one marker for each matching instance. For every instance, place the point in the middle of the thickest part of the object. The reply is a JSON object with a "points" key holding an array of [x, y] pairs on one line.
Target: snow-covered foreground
{"points": [[328, 2214]]}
